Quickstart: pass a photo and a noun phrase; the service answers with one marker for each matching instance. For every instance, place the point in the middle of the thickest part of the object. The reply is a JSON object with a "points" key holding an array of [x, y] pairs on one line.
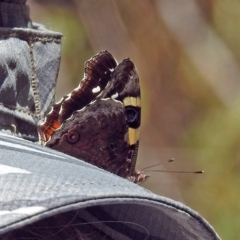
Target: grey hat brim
{"points": [[37, 183]]}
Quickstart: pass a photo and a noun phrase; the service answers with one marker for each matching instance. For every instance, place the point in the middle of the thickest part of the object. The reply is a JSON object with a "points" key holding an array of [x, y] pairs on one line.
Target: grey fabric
{"points": [[29, 66], [37, 182]]}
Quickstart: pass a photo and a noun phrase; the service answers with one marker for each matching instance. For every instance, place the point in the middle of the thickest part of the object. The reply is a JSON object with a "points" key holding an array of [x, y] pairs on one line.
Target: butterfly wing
{"points": [[97, 71], [124, 86], [99, 121], [97, 134]]}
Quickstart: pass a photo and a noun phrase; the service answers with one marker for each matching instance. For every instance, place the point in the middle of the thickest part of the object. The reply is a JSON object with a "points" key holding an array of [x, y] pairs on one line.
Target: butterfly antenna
{"points": [[169, 171], [169, 160]]}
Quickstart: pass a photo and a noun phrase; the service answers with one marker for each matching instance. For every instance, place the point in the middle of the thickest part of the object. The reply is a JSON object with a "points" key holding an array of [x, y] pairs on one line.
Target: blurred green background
{"points": [[188, 57]]}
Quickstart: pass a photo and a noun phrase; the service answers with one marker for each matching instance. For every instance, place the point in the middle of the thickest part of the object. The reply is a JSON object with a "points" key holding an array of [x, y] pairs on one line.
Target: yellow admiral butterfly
{"points": [[99, 121]]}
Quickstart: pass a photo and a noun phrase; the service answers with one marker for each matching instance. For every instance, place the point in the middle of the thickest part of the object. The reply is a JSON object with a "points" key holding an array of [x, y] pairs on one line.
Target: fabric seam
{"points": [[29, 35], [34, 82]]}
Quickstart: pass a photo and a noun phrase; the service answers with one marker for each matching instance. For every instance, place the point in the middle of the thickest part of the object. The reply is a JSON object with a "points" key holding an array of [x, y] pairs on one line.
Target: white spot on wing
{"points": [[114, 96], [96, 89]]}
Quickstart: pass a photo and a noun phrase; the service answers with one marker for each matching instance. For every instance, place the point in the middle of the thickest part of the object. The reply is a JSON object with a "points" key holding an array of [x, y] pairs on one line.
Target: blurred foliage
{"points": [[188, 57]]}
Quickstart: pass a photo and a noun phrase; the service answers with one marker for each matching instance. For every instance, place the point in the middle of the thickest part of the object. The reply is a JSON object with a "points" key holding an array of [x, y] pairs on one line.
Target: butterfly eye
{"points": [[73, 137]]}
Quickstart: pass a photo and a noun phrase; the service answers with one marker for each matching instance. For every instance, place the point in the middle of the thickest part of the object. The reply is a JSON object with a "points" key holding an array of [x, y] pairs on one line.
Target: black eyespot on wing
{"points": [[133, 116], [73, 137]]}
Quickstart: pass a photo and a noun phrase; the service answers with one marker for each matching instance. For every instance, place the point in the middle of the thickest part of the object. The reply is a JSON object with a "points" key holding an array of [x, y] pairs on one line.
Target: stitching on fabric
{"points": [[34, 82], [79, 184], [11, 107], [31, 36]]}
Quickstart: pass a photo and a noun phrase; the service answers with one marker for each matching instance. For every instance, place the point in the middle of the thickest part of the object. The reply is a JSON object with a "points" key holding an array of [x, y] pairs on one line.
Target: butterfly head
{"points": [[138, 176]]}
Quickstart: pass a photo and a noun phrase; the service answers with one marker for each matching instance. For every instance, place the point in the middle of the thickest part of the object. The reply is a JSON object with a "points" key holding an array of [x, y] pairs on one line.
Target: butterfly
{"points": [[99, 121]]}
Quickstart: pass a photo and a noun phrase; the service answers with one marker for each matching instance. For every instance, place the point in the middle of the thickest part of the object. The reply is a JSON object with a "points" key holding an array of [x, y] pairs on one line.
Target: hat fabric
{"points": [[37, 183]]}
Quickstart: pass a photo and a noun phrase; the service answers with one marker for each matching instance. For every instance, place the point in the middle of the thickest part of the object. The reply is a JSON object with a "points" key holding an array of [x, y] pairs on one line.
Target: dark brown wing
{"points": [[97, 134], [124, 86], [99, 121], [97, 72]]}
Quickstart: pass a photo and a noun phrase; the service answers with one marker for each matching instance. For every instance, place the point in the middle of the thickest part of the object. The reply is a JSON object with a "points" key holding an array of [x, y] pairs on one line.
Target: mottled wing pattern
{"points": [[99, 121], [97, 72], [124, 86]]}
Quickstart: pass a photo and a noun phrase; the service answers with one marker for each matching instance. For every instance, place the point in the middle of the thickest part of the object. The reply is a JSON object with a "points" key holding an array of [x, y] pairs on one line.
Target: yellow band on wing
{"points": [[132, 101], [133, 135]]}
